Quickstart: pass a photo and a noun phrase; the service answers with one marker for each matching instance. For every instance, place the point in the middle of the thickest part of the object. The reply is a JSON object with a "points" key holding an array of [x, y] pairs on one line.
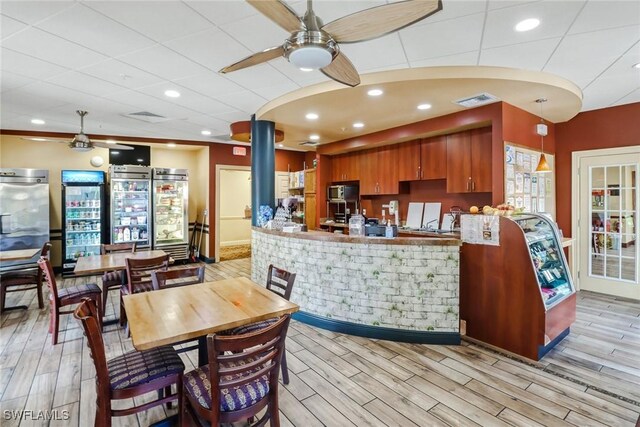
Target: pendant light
{"points": [[541, 129]]}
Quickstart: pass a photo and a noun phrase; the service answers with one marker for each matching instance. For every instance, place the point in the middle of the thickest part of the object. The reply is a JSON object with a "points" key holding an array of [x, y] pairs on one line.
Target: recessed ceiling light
{"points": [[38, 139], [110, 141], [636, 65], [314, 137], [171, 145], [280, 145], [114, 152], [206, 132], [37, 121], [375, 92], [172, 93], [527, 24], [306, 70], [311, 116], [358, 125], [424, 106]]}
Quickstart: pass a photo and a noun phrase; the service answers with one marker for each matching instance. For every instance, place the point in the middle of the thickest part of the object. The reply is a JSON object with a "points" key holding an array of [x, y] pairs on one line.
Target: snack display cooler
{"points": [[518, 295], [130, 209], [170, 213], [83, 216]]}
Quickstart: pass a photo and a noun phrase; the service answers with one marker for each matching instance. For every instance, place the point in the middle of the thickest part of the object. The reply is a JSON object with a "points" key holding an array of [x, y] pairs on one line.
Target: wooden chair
{"points": [[24, 279], [177, 277], [113, 279], [139, 278], [70, 295], [279, 282], [133, 374], [237, 385]]}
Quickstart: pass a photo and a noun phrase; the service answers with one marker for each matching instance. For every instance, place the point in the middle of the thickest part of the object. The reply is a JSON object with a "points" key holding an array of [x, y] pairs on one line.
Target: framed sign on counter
{"points": [[523, 186]]}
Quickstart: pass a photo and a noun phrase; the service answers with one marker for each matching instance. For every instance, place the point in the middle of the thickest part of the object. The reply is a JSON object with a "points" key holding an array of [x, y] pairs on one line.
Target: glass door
{"points": [[609, 224], [83, 228], [170, 212], [130, 211]]}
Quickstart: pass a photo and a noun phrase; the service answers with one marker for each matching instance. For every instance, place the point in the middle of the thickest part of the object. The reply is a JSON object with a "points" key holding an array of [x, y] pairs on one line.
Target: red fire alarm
{"points": [[239, 151]]}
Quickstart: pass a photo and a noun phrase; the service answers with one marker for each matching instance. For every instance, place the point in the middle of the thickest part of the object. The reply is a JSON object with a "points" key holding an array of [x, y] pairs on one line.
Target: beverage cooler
{"points": [[518, 294], [83, 216], [170, 212], [130, 205]]}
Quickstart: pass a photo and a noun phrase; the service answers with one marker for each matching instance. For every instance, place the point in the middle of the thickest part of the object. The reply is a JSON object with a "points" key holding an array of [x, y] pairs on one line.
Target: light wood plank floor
{"points": [[591, 379]]}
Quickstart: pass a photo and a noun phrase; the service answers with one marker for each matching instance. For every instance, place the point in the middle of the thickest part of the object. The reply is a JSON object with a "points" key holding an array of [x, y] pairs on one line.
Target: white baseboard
{"points": [[235, 243]]}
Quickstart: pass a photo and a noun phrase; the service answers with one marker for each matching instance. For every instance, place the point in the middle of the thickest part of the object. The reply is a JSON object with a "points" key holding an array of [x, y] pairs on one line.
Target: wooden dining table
{"points": [[174, 315], [96, 264], [19, 254]]}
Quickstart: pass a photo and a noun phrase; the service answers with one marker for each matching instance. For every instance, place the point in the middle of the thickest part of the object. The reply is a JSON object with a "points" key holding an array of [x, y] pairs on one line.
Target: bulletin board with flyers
{"points": [[525, 188]]}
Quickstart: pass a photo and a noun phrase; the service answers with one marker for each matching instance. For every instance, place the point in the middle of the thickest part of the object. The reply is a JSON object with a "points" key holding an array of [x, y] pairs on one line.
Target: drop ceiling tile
{"points": [[256, 33], [9, 26], [385, 68], [582, 57], [599, 15], [274, 91], [615, 83], [630, 98], [163, 62], [455, 9], [258, 76], [502, 4], [10, 81], [302, 78], [443, 38], [28, 66], [188, 99], [119, 73], [234, 117], [79, 23], [466, 58], [204, 121], [170, 19], [223, 12], [334, 9], [246, 101], [34, 11], [528, 56], [377, 53], [211, 48], [85, 83], [209, 84], [143, 102], [50, 48], [31, 99], [555, 19]]}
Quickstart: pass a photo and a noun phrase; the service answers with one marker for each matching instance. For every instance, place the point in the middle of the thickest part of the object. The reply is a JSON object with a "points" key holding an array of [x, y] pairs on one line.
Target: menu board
{"points": [[523, 186]]}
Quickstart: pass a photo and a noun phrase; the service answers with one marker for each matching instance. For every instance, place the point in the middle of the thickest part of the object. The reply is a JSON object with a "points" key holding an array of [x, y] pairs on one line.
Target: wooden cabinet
{"points": [[379, 171], [423, 159], [345, 167], [309, 181], [469, 161], [310, 208]]}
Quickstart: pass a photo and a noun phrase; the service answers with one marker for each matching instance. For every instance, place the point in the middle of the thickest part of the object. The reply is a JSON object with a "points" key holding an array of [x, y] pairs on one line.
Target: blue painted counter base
{"points": [[378, 332], [542, 350]]}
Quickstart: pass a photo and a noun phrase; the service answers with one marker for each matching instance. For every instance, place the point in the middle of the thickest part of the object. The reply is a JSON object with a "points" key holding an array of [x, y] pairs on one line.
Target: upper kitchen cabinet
{"points": [[469, 161], [345, 167], [379, 171], [422, 160]]}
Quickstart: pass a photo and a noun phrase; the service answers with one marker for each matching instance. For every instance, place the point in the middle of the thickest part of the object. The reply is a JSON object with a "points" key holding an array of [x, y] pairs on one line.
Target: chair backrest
{"points": [[49, 277], [139, 271], [46, 248], [280, 281], [177, 277], [87, 314], [250, 357], [117, 247]]}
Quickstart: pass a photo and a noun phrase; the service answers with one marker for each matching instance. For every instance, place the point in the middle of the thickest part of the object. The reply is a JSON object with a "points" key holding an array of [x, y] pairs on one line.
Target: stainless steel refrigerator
{"points": [[170, 211], [83, 216], [24, 212], [130, 205]]}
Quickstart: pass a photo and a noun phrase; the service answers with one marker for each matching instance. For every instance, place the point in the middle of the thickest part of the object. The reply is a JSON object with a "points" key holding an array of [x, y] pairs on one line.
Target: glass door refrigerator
{"points": [[170, 212], [130, 208], [83, 216]]}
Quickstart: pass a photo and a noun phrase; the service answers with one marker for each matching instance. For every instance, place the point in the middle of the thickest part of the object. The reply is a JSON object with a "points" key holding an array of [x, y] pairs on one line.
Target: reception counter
{"points": [[402, 289]]}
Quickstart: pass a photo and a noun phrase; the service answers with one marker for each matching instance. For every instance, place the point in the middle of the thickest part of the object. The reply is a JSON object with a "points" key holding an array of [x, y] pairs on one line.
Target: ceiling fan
{"points": [[81, 141], [314, 45]]}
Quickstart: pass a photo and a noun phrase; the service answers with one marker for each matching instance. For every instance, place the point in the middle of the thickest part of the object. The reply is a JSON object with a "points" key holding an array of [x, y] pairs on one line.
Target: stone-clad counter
{"points": [[404, 288]]}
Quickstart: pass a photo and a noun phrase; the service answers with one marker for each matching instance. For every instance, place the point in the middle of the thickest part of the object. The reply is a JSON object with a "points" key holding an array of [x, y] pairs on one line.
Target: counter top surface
{"points": [[423, 238]]}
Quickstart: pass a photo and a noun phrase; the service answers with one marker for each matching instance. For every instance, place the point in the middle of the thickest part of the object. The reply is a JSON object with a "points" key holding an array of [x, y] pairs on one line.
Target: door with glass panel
{"points": [[609, 199]]}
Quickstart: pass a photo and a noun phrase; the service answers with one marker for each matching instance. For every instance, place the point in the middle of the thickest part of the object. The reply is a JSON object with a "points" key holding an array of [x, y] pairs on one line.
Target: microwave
{"points": [[342, 193]]}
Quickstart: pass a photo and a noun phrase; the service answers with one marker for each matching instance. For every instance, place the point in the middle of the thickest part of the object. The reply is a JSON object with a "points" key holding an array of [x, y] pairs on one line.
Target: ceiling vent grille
{"points": [[310, 143], [476, 100], [146, 116]]}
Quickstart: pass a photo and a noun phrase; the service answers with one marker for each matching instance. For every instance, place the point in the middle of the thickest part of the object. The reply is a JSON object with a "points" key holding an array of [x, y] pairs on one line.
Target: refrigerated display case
{"points": [[83, 216], [170, 211], [130, 205], [519, 295]]}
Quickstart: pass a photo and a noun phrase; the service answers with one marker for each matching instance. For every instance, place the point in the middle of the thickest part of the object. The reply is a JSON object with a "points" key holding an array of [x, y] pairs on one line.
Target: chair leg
{"points": [[39, 293], [283, 366], [3, 297], [105, 293], [123, 313], [55, 325], [179, 392], [98, 301]]}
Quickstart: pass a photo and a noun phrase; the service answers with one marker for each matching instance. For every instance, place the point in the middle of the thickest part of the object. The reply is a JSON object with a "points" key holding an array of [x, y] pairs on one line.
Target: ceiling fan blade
{"points": [[255, 59], [37, 139], [342, 70], [113, 146], [381, 20], [278, 12]]}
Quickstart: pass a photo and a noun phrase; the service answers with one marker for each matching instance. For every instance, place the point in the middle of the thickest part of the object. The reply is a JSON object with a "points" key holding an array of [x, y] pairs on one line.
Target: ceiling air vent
{"points": [[310, 143], [476, 100], [222, 138], [146, 116]]}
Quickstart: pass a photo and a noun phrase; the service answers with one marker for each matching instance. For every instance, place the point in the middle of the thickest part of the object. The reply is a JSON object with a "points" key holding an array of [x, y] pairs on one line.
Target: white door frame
{"points": [[217, 218], [576, 157]]}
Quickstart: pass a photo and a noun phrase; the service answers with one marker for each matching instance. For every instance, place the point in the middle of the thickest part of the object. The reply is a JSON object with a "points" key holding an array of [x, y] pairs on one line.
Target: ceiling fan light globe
{"points": [[81, 148], [310, 57]]}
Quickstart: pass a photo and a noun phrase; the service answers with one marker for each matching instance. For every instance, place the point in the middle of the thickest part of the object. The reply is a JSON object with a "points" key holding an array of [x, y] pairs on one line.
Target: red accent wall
{"points": [[606, 128]]}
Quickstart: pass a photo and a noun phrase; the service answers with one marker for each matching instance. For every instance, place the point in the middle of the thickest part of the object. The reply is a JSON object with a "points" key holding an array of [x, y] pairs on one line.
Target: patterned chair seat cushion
{"points": [[251, 327], [140, 367], [197, 383], [112, 278], [73, 292], [138, 288], [20, 277]]}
